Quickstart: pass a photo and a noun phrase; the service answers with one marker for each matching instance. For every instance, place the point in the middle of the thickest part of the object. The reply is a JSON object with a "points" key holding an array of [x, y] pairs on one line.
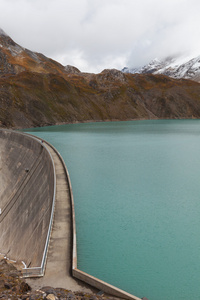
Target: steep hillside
{"points": [[15, 59], [37, 91]]}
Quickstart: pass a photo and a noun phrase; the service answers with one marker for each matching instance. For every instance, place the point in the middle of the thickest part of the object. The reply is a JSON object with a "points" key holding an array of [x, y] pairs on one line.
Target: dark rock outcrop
{"points": [[72, 70], [12, 286]]}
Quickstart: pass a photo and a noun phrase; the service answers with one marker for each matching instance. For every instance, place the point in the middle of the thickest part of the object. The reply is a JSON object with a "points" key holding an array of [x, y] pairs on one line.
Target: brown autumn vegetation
{"points": [[37, 91]]}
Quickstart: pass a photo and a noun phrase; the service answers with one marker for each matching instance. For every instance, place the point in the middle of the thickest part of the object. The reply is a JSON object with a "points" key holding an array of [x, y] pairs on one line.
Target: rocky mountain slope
{"points": [[38, 91], [173, 67]]}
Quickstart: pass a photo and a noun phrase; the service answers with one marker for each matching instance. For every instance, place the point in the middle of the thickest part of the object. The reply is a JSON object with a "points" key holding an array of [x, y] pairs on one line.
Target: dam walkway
{"points": [[37, 222], [59, 258]]}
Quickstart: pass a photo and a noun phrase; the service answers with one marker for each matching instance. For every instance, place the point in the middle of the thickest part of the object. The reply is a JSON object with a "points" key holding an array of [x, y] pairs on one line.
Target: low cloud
{"points": [[98, 34]]}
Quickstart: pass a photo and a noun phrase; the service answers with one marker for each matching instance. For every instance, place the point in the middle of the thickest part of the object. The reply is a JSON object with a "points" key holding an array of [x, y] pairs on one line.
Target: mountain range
{"points": [[175, 67], [37, 91]]}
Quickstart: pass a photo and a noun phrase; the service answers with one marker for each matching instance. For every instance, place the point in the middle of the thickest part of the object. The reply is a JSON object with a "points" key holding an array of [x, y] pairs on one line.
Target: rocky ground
{"points": [[13, 287]]}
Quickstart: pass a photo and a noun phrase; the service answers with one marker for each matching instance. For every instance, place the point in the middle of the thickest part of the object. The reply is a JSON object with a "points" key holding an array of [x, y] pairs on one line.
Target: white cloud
{"points": [[98, 34]]}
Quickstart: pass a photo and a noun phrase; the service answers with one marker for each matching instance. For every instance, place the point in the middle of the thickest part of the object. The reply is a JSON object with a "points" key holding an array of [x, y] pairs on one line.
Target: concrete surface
{"points": [[86, 282], [58, 271], [26, 192]]}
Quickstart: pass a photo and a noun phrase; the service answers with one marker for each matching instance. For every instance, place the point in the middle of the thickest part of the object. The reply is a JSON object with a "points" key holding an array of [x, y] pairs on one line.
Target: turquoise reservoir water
{"points": [[136, 187]]}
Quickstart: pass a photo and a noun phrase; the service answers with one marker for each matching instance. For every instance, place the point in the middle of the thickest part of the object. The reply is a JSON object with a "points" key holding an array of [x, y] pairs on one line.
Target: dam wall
{"points": [[26, 196]]}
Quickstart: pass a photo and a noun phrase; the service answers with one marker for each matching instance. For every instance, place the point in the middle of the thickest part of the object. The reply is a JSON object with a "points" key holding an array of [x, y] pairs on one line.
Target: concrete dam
{"points": [[37, 218], [26, 194]]}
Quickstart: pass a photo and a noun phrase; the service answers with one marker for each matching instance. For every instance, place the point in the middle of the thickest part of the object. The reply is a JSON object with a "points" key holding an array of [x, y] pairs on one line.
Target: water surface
{"points": [[136, 187]]}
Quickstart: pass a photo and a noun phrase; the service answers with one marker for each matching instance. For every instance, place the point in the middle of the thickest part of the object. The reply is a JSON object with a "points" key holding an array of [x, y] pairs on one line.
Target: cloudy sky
{"points": [[97, 34]]}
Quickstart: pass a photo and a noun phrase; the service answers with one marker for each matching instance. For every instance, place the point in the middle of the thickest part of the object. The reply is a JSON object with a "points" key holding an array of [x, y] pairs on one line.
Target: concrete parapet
{"points": [[102, 285], [27, 194], [85, 277]]}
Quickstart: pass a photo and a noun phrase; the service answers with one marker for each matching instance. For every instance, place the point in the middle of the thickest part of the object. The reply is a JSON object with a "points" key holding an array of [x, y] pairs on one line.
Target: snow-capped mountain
{"points": [[38, 91], [173, 67]]}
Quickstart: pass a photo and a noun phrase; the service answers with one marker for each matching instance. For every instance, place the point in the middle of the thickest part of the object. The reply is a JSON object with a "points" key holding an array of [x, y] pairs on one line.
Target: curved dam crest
{"points": [[136, 188], [27, 191]]}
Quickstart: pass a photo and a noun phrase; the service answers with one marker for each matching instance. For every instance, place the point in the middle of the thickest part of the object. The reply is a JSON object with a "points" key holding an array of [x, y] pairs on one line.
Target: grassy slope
{"points": [[37, 91], [35, 99]]}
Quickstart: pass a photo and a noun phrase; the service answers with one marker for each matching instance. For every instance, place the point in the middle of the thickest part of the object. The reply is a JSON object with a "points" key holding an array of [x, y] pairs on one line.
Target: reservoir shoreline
{"points": [[96, 121]]}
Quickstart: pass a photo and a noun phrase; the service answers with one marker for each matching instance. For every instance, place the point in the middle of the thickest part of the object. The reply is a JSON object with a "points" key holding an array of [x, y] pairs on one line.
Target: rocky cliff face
{"points": [[37, 91]]}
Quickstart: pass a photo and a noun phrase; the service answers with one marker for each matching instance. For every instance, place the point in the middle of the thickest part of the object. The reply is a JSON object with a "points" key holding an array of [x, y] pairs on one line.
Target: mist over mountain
{"points": [[175, 67], [37, 91]]}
